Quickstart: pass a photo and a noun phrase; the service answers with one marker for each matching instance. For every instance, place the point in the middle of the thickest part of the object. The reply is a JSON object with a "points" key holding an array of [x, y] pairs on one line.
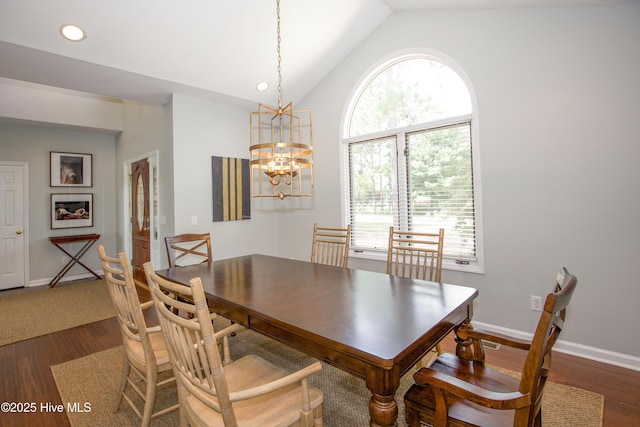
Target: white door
{"points": [[13, 249]]}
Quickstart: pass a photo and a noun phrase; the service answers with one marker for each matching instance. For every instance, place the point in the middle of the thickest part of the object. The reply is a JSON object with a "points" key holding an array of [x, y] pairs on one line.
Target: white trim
{"points": [[126, 224], [447, 264], [409, 129], [592, 353], [66, 278], [387, 61]]}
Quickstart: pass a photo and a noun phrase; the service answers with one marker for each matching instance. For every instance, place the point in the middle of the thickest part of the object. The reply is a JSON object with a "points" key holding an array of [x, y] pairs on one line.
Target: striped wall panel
{"points": [[231, 189]]}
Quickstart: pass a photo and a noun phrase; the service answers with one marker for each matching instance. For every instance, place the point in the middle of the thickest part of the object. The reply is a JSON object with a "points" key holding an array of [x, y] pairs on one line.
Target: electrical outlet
{"points": [[65, 260], [536, 303]]}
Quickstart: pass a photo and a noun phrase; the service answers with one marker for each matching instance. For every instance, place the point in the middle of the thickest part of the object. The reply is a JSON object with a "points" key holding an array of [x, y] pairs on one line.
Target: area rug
{"points": [[34, 313], [94, 380]]}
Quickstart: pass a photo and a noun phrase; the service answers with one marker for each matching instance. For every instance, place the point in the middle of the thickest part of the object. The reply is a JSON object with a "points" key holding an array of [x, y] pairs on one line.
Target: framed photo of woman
{"points": [[71, 169], [71, 210]]}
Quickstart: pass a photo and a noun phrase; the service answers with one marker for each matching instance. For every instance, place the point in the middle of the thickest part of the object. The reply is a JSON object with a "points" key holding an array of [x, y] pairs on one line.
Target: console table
{"points": [[88, 239]]}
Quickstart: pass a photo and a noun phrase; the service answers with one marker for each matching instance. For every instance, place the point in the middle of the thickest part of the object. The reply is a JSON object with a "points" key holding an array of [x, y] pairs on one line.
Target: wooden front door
{"points": [[140, 220]]}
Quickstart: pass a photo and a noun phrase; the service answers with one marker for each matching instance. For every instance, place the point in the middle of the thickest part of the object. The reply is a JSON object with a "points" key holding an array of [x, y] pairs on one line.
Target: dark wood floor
{"points": [[25, 375]]}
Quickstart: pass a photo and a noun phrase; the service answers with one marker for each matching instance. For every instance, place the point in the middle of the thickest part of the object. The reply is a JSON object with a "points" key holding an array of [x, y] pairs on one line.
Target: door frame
{"points": [[154, 196], [25, 216]]}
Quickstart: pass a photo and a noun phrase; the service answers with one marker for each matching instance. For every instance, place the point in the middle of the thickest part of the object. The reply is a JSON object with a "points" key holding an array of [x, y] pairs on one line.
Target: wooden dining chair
{"points": [[462, 391], [416, 255], [188, 249], [145, 352], [249, 391], [331, 245]]}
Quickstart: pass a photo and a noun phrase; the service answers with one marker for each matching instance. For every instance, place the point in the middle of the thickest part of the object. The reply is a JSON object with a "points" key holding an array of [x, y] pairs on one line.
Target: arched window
{"points": [[410, 157]]}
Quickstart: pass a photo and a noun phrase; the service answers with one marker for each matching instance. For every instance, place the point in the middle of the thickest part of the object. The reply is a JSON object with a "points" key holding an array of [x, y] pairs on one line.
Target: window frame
{"points": [[476, 266]]}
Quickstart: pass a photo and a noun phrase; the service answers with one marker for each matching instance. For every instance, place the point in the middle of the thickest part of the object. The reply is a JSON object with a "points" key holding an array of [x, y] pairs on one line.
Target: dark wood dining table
{"points": [[372, 325]]}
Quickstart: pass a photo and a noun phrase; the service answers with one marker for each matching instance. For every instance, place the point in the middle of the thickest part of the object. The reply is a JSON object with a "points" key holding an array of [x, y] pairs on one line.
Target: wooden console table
{"points": [[88, 239]]}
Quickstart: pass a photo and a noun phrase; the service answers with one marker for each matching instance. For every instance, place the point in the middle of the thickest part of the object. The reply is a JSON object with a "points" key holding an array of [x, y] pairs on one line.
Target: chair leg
{"points": [[182, 411], [317, 417], [149, 395], [537, 422], [123, 383], [431, 357], [438, 352]]}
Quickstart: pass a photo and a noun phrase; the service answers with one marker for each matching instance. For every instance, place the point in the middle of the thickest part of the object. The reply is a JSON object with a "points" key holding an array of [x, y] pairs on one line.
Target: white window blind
{"points": [[440, 187], [420, 180]]}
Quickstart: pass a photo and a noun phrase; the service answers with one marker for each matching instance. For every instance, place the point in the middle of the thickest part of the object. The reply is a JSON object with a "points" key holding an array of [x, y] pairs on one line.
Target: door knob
{"points": [[18, 231]]}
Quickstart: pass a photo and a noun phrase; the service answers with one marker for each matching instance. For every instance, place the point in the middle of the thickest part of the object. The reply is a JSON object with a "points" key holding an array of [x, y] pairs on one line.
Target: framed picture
{"points": [[71, 210], [71, 169]]}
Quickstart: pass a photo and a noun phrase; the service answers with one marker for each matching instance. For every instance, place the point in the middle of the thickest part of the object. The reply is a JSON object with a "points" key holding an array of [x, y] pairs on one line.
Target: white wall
{"points": [[146, 133], [558, 108], [32, 144], [202, 129], [43, 104]]}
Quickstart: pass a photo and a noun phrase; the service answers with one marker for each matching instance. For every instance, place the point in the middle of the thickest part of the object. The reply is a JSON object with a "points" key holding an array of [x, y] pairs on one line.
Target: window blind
{"points": [[417, 181]]}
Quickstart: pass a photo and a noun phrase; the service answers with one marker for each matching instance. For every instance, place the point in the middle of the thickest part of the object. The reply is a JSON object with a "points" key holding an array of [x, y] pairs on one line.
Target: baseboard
{"points": [[575, 349], [66, 278]]}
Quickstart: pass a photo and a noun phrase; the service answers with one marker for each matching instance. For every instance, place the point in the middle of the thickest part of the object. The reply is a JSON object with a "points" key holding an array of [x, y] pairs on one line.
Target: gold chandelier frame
{"points": [[281, 150]]}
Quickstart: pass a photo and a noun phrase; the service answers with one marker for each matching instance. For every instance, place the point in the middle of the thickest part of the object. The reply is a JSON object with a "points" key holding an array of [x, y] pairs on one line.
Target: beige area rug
{"points": [[94, 379], [34, 313]]}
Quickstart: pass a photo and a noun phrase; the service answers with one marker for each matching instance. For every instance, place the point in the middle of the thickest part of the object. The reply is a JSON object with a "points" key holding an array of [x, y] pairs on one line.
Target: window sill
{"points": [[447, 264]]}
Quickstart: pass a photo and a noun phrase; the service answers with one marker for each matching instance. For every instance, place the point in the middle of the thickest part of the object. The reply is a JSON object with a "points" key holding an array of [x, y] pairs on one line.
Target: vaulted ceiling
{"points": [[144, 50]]}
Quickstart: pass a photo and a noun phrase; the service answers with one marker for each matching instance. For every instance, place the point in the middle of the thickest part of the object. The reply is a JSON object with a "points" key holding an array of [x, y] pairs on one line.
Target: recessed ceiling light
{"points": [[73, 33], [262, 86]]}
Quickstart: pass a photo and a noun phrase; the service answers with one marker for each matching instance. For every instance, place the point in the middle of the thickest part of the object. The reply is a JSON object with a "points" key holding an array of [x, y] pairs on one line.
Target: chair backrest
{"points": [[538, 361], [192, 345], [188, 249], [415, 255], [331, 245], [122, 288]]}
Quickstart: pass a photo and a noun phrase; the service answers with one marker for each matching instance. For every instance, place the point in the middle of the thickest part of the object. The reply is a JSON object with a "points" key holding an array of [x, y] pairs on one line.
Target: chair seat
{"points": [[461, 411], [136, 351], [280, 408]]}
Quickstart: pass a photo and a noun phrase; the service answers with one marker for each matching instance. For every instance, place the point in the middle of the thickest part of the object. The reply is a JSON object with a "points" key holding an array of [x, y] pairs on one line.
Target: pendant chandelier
{"points": [[281, 146]]}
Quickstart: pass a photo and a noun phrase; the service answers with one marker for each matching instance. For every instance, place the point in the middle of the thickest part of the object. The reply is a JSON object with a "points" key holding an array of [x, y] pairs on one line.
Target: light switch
{"points": [[194, 220]]}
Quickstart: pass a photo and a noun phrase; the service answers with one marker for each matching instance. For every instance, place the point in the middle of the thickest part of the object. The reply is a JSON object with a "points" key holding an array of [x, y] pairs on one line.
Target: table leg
{"points": [[464, 346], [74, 259], [383, 407]]}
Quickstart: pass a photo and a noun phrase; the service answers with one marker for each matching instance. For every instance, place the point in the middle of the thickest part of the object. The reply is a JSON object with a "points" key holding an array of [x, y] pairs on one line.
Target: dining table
{"points": [[371, 325]]}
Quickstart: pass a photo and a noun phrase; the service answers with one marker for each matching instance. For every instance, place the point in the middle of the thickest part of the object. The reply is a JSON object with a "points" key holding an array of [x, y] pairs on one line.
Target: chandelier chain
{"points": [[279, 57], [281, 148]]}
